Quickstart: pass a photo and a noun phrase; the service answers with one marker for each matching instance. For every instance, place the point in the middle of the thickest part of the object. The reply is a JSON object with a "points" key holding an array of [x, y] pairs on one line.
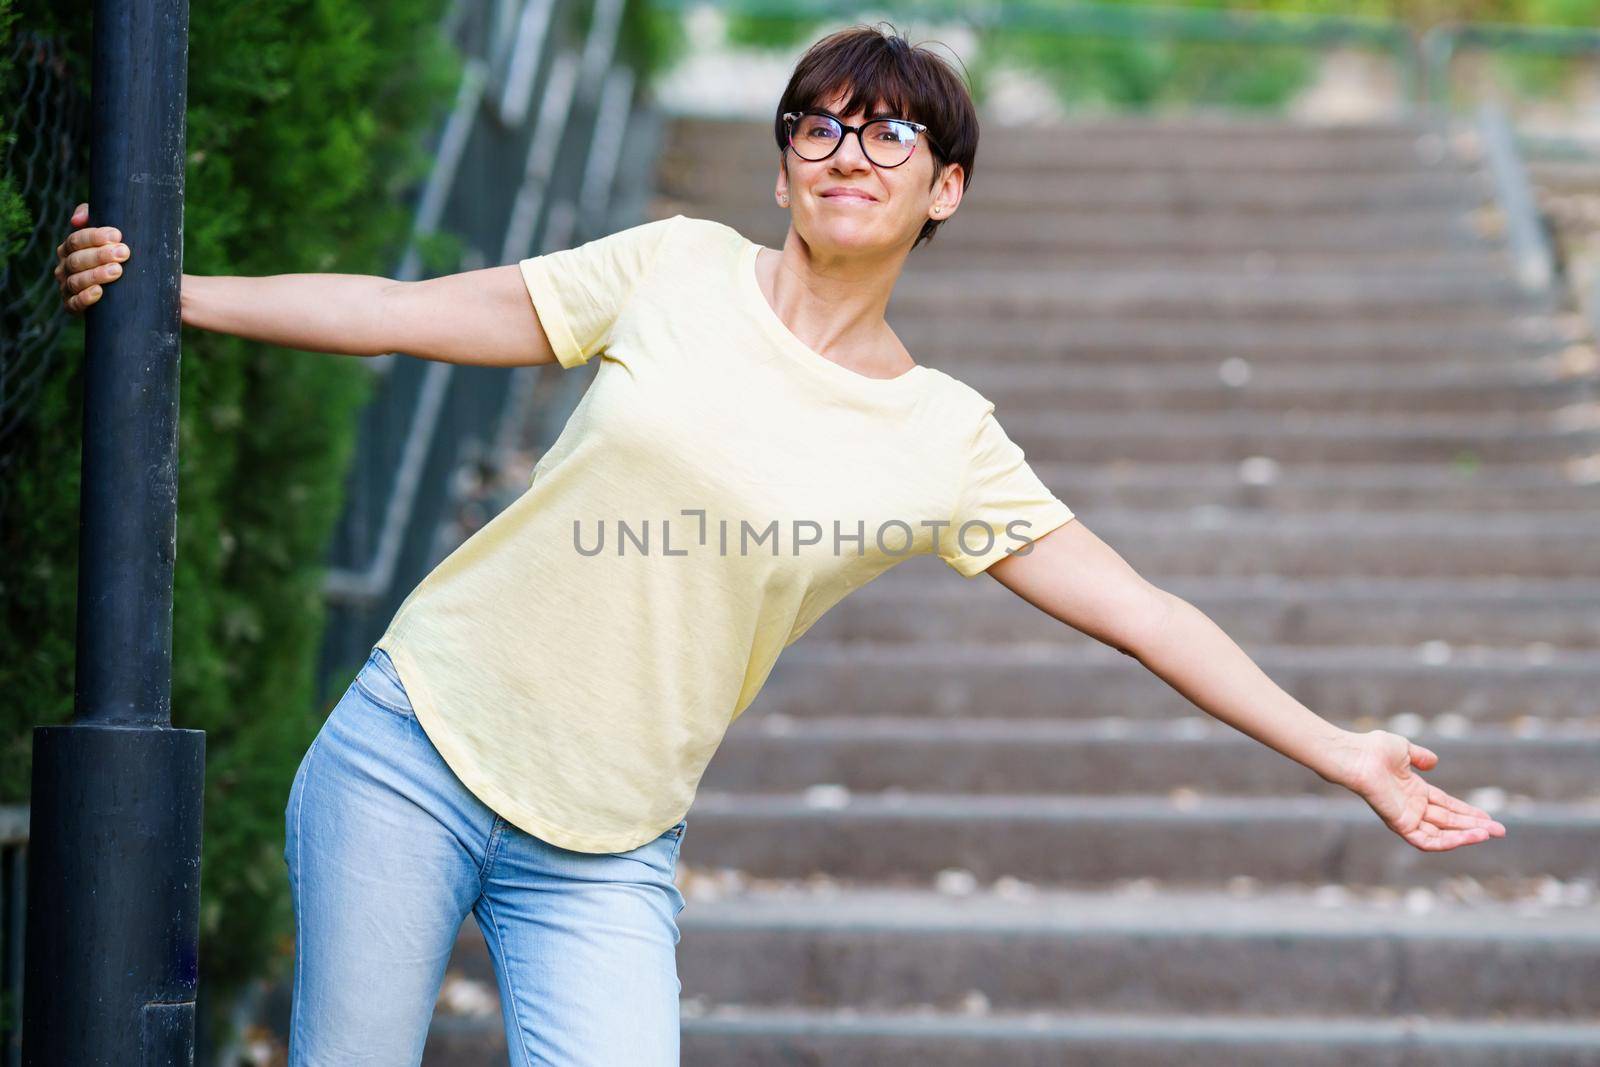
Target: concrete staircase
{"points": [[1286, 373]]}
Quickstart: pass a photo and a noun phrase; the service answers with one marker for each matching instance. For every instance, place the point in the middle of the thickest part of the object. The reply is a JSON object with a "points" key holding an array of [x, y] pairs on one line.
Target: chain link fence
{"points": [[46, 159]]}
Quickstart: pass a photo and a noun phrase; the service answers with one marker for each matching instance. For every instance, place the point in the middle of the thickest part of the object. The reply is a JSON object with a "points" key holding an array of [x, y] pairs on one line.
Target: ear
{"points": [[948, 185]]}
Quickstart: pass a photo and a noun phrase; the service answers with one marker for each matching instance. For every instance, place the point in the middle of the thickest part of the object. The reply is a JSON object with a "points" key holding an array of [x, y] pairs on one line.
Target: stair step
{"points": [[1050, 971], [1177, 191], [1300, 436], [867, 1039], [1236, 286], [1093, 840], [1257, 485], [1213, 231], [1144, 950], [1215, 541], [1287, 611], [1576, 418], [1245, 279], [1053, 294], [975, 257], [1550, 399], [1015, 956], [1182, 757], [959, 345], [1075, 317], [1236, 384], [464, 1040], [1421, 476], [1074, 676], [1086, 147]]}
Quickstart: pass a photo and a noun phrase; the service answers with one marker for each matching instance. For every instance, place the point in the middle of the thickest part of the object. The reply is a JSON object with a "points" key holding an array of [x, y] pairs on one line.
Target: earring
{"points": [[783, 199]]}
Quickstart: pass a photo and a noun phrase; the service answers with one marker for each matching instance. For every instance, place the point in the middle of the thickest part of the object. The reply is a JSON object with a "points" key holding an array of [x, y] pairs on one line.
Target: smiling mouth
{"points": [[850, 196]]}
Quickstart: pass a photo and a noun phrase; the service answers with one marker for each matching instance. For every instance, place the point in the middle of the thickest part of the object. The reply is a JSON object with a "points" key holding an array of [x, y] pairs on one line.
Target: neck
{"points": [[835, 303]]}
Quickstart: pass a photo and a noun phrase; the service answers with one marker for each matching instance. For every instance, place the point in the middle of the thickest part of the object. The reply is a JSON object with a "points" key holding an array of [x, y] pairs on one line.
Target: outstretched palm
{"points": [[1379, 771]]}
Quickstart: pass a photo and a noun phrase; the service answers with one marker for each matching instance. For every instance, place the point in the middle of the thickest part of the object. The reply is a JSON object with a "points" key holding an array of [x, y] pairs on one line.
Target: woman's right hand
{"points": [[86, 261]]}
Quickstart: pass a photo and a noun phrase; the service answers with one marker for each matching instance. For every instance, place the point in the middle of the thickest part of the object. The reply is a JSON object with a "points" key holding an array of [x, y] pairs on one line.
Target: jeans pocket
{"points": [[675, 835], [380, 683], [679, 902]]}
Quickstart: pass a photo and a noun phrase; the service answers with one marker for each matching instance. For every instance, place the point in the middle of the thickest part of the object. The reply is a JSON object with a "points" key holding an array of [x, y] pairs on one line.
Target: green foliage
{"points": [[1533, 76], [1108, 73], [1537, 12], [439, 253], [307, 125], [770, 32], [1145, 72], [13, 211], [651, 40]]}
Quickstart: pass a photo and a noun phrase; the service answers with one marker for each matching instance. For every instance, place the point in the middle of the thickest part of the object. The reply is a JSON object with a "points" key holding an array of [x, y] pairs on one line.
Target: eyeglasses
{"points": [[886, 142]]}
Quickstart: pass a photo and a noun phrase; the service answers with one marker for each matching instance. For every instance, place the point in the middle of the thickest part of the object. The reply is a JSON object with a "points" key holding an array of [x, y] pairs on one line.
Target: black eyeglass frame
{"points": [[792, 117]]}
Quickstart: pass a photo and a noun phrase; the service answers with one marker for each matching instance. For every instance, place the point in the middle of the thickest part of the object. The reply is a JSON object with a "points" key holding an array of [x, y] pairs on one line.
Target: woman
{"points": [[529, 732]]}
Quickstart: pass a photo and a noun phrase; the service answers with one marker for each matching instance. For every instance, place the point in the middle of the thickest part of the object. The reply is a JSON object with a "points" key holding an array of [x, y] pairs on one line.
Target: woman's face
{"points": [[879, 208]]}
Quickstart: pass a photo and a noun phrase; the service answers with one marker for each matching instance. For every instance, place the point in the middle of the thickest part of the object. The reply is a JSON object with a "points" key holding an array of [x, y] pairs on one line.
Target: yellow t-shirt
{"points": [[718, 487]]}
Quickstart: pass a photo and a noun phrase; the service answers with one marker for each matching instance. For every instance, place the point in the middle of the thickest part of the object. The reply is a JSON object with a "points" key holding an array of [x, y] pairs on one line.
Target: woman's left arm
{"points": [[1076, 577]]}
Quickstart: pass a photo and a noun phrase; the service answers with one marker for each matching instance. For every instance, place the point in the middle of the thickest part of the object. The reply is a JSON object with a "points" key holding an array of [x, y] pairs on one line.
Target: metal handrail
{"points": [[343, 583], [517, 60], [1533, 255], [573, 82], [1439, 45]]}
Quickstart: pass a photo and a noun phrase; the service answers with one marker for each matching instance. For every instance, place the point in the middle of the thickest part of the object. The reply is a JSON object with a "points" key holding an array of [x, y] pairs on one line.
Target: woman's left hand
{"points": [[1377, 767]]}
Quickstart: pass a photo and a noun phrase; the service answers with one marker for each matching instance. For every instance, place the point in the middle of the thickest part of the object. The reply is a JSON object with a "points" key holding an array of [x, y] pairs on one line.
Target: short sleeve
{"points": [[1002, 504], [579, 292]]}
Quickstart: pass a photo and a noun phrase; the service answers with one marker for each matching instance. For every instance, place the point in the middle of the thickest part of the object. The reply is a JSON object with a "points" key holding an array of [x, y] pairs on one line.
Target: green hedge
{"points": [[13, 210], [307, 123]]}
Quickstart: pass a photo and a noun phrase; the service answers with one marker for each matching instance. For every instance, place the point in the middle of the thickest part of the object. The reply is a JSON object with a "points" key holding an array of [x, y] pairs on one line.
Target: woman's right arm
{"points": [[313, 312], [482, 317], [478, 317]]}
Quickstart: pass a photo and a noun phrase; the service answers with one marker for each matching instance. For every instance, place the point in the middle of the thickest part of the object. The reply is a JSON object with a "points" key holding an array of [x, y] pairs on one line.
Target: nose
{"points": [[857, 159]]}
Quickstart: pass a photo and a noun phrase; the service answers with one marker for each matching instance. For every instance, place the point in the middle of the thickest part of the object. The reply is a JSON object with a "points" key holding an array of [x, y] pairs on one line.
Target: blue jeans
{"points": [[388, 851]]}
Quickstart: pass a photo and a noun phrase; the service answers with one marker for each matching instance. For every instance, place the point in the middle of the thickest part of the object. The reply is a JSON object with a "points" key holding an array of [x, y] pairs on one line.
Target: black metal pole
{"points": [[114, 857]]}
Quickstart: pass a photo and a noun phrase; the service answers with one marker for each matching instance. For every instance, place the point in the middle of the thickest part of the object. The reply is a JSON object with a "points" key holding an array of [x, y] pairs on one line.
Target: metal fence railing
{"points": [[1134, 22], [1532, 255], [527, 162], [1510, 151], [48, 117], [1423, 60]]}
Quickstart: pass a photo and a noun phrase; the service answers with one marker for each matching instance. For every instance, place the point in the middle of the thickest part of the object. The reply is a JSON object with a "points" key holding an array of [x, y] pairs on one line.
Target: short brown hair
{"points": [[884, 68]]}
